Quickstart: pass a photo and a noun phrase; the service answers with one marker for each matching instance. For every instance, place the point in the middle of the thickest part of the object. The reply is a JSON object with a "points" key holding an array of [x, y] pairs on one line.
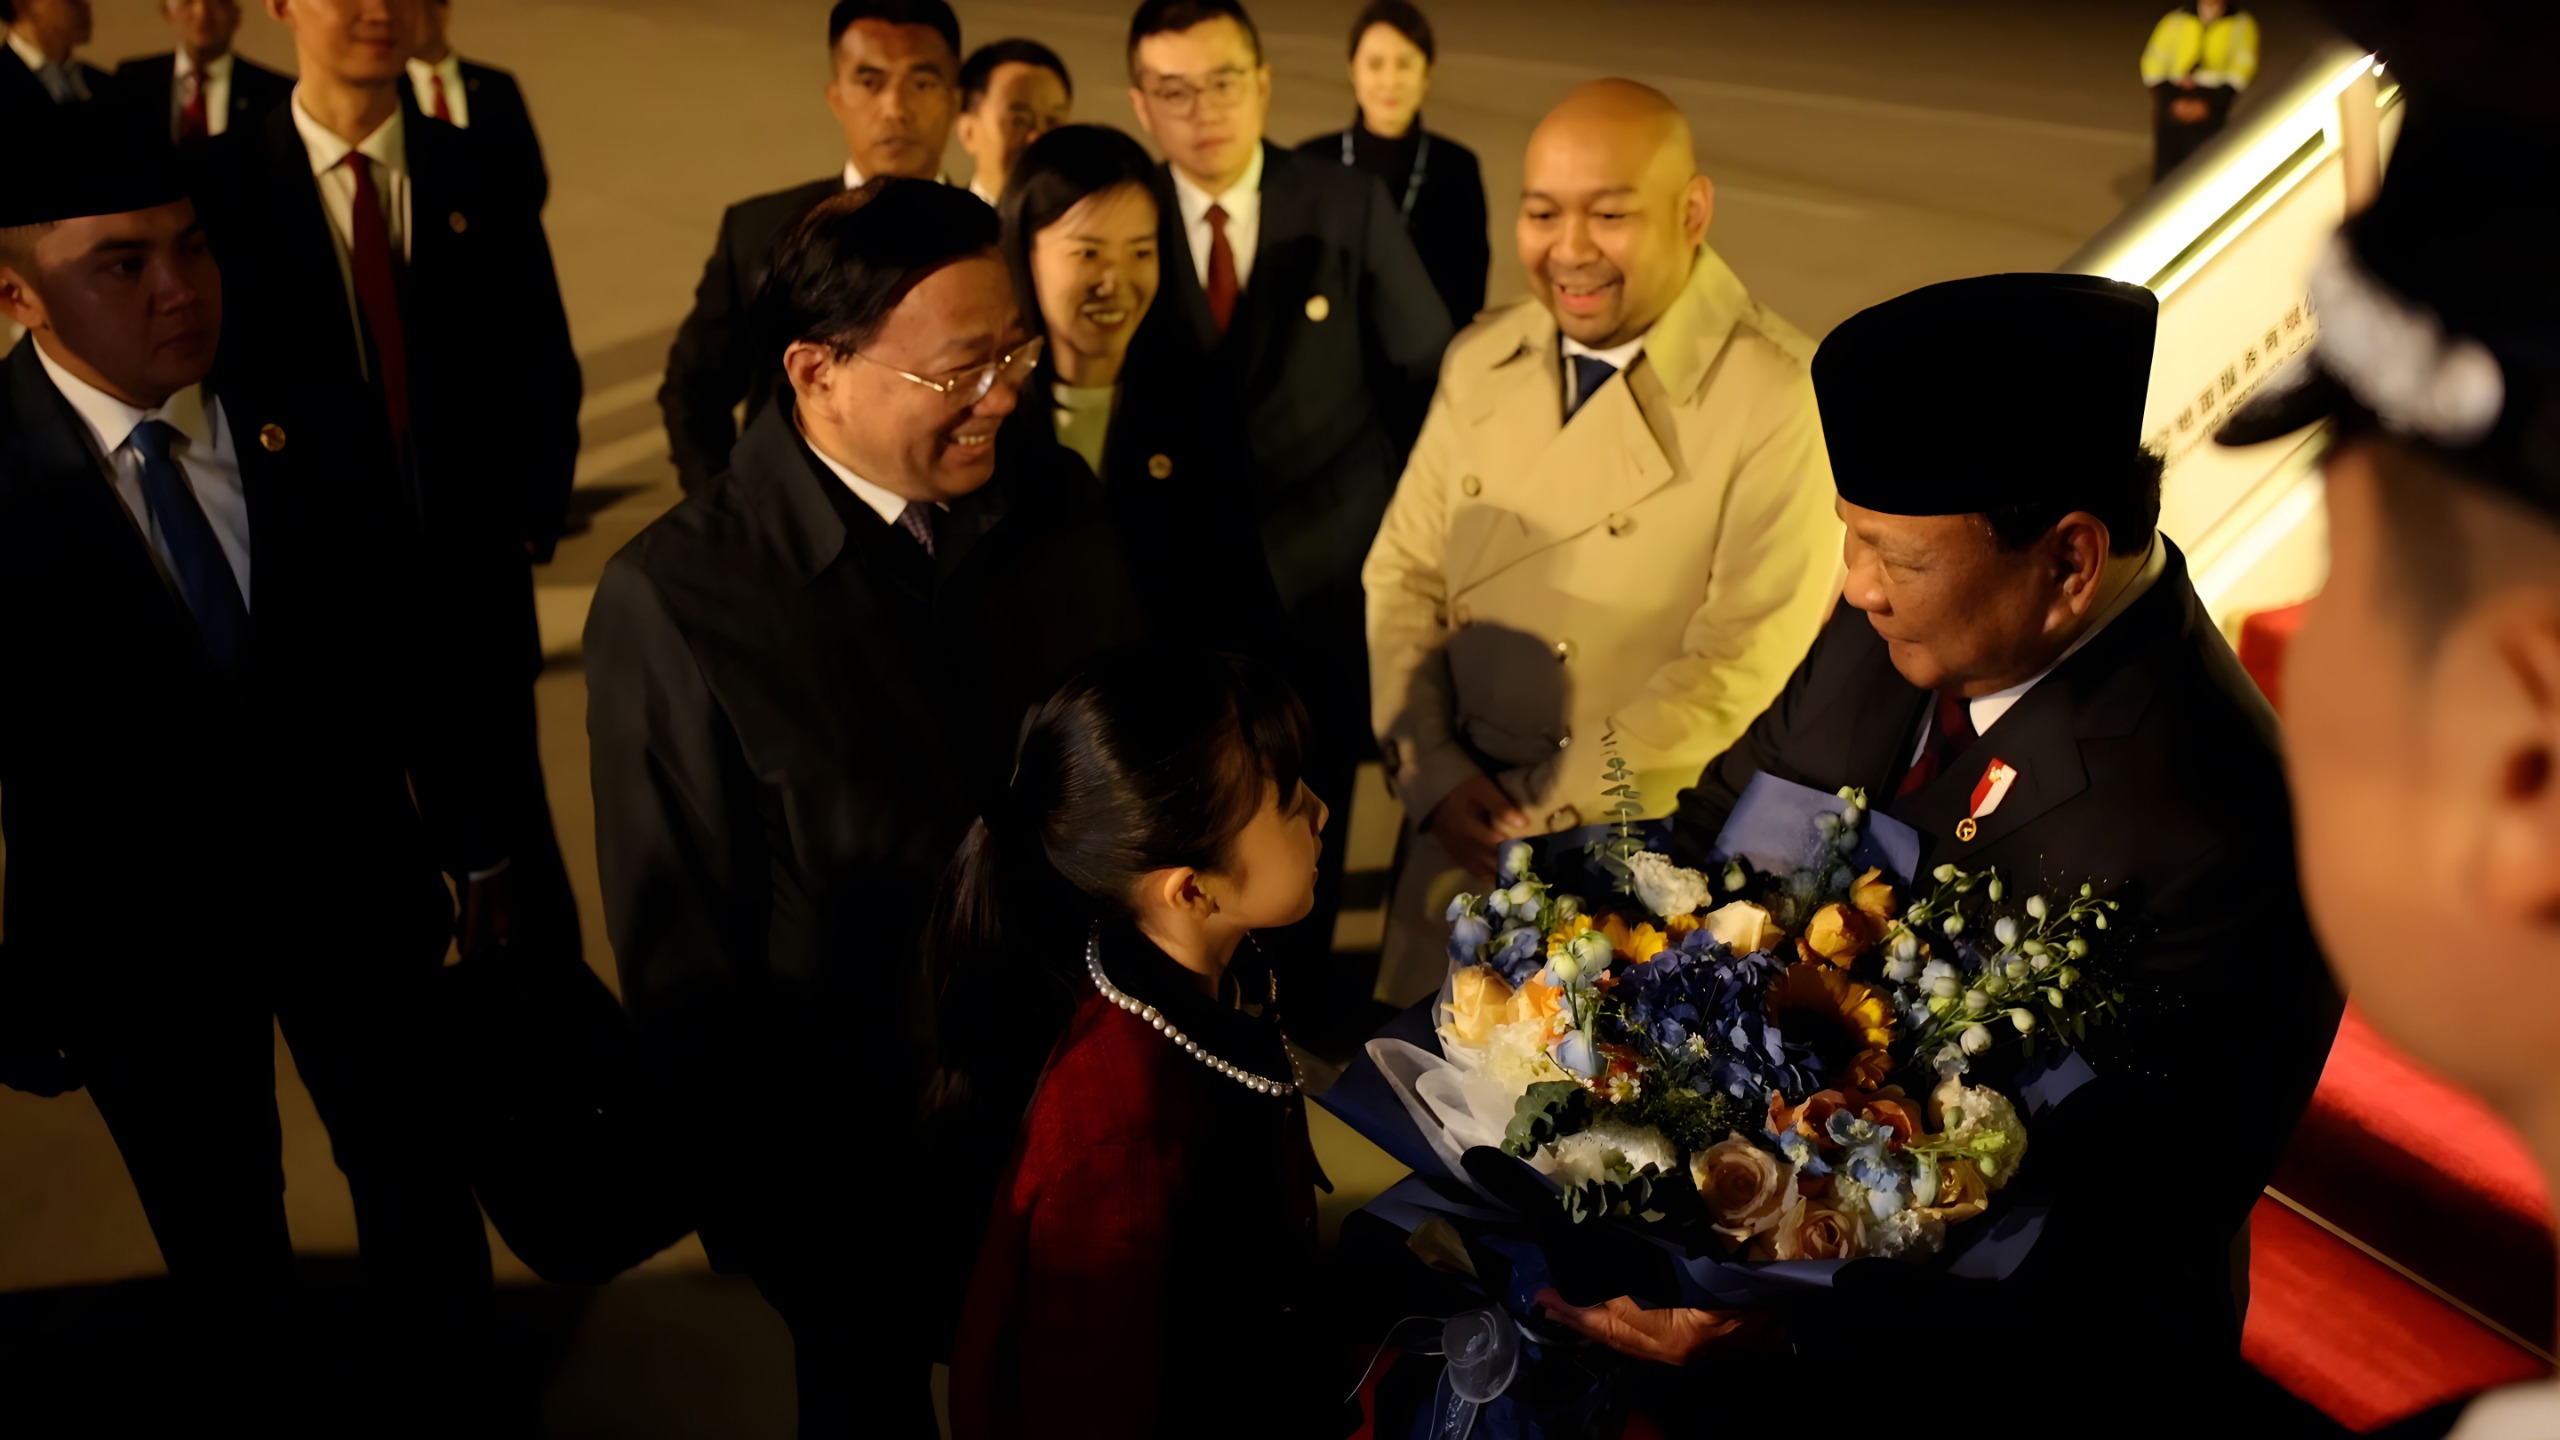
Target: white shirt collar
{"points": [[1986, 710], [1618, 356], [887, 504], [27, 51], [112, 422], [217, 68], [1195, 202], [385, 146], [981, 191], [853, 178]]}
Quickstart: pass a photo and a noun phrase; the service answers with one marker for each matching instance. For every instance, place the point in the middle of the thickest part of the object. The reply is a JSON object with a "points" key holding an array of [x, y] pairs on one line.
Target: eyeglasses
{"points": [[1181, 98], [971, 385]]}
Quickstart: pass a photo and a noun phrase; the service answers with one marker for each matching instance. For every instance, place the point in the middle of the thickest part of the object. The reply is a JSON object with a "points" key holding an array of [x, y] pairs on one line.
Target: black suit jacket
{"points": [[715, 363], [1332, 354], [22, 94], [148, 86], [794, 716], [1448, 221], [494, 388], [1175, 484], [504, 125], [2148, 766], [153, 798]]}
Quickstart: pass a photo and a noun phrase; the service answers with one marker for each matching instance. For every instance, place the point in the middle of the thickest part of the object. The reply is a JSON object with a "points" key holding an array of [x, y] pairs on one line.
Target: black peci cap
{"points": [[79, 160], [2067, 358], [2439, 305]]}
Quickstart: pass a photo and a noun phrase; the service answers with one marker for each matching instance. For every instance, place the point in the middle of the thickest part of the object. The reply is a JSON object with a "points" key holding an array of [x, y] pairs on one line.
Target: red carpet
{"points": [[2418, 1171]]}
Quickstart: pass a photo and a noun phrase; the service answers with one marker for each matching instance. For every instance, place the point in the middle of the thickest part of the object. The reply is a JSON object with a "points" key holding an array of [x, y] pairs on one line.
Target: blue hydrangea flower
{"points": [[1518, 953]]}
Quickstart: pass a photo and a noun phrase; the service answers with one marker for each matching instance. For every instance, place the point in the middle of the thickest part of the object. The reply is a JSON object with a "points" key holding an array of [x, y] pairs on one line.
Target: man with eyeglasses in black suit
{"points": [[804, 682]]}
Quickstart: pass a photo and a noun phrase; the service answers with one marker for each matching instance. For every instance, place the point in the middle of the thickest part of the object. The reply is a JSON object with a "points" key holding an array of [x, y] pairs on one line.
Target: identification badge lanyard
{"points": [[1421, 164]]}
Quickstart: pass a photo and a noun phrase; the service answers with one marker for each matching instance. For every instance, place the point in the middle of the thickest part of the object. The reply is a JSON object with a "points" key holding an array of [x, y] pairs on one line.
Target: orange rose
{"points": [[1894, 1113], [1534, 998], [1816, 1230], [1840, 935], [1478, 1000], [1745, 928], [1808, 1117], [1962, 1193], [1747, 1189], [1872, 895]]}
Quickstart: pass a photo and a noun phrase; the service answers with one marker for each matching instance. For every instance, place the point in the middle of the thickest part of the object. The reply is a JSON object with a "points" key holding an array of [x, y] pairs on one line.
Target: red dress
{"points": [[1144, 1269]]}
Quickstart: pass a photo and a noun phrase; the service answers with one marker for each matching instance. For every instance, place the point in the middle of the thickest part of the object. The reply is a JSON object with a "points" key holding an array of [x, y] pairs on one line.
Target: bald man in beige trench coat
{"points": [[1618, 521]]}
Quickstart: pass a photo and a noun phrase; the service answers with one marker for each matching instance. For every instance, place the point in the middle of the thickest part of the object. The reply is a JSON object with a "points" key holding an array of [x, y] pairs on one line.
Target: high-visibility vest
{"points": [[2184, 47]]}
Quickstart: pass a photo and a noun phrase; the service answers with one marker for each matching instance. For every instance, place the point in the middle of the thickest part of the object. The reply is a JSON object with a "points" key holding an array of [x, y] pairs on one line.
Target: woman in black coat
{"points": [[1433, 178], [1168, 454]]}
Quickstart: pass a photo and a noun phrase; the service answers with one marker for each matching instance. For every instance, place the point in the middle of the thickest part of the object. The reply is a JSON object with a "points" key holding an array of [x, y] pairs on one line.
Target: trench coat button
{"points": [[1568, 818], [1318, 308], [271, 438], [1564, 742], [1621, 524], [1564, 651], [1471, 487], [458, 222], [1462, 617], [1160, 466]]}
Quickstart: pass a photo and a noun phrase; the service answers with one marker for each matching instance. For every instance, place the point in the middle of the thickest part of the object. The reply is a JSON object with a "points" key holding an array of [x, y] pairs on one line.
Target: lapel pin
{"points": [[271, 438], [457, 221], [1988, 792], [1318, 307], [1160, 466]]}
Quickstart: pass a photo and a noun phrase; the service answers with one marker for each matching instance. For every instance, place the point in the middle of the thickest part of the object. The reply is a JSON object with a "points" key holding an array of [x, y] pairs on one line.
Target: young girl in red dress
{"points": [[1144, 1270]]}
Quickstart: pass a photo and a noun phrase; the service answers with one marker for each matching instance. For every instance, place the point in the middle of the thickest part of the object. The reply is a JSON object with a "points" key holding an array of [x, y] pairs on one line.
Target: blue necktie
{"points": [[204, 574], [1590, 372]]}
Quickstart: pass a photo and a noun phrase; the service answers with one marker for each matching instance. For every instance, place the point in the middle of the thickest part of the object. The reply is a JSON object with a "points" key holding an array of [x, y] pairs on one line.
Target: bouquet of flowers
{"points": [[1776, 1060]]}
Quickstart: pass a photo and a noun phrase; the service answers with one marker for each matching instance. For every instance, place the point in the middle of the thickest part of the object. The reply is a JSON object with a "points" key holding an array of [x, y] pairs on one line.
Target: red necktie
{"points": [[192, 125], [1950, 735], [435, 93], [378, 293], [1221, 283]]}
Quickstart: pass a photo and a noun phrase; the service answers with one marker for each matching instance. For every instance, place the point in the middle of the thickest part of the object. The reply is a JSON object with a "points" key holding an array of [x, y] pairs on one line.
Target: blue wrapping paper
{"points": [[1772, 827]]}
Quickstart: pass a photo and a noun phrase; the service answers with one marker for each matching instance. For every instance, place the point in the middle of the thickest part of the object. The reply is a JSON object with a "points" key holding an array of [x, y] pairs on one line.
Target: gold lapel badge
{"points": [[458, 222], [271, 438], [1966, 829], [1318, 307], [1160, 466]]}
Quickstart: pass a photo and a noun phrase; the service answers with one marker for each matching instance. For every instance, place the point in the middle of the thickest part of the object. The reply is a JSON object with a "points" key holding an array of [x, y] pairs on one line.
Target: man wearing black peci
{"points": [[383, 264], [203, 88], [469, 95], [2023, 673], [805, 681], [1293, 280], [209, 830], [895, 90]]}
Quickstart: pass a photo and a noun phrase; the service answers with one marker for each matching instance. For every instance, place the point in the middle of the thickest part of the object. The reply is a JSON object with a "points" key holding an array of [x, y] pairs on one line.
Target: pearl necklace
{"points": [[1193, 1048]]}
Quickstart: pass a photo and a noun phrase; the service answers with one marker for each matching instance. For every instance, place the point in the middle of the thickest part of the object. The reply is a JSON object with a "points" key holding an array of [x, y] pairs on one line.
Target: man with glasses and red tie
{"points": [[382, 263], [804, 682], [1294, 279]]}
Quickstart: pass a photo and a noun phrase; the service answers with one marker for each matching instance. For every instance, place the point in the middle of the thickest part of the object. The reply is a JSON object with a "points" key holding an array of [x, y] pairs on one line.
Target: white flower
{"points": [[1667, 889], [1583, 1157], [1906, 1235], [2005, 930], [1983, 1120], [1900, 971], [1515, 1057], [1975, 1039]]}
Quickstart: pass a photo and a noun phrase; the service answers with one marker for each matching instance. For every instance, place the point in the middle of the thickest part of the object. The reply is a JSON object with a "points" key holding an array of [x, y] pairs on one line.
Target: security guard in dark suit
{"points": [[2023, 673]]}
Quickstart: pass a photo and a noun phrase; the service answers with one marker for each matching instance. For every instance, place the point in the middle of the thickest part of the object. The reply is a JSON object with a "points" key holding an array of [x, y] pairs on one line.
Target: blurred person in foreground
{"points": [[1165, 448], [1293, 284], [2423, 689], [468, 95], [2199, 58], [201, 89], [209, 827], [1012, 92], [2023, 673], [804, 681], [1618, 521], [1157, 1220], [894, 90], [1435, 180]]}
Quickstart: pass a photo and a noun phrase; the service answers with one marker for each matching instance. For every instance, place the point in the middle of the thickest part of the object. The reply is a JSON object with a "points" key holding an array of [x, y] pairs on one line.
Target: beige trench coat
{"points": [[1652, 570]]}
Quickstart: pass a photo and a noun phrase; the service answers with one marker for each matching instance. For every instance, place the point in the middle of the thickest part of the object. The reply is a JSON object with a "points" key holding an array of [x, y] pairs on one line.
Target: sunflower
{"points": [[1636, 945], [1847, 1022]]}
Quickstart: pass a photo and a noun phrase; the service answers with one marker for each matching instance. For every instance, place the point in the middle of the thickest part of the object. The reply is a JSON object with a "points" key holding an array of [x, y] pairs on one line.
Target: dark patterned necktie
{"points": [[204, 573], [919, 523], [1950, 735], [1590, 372]]}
